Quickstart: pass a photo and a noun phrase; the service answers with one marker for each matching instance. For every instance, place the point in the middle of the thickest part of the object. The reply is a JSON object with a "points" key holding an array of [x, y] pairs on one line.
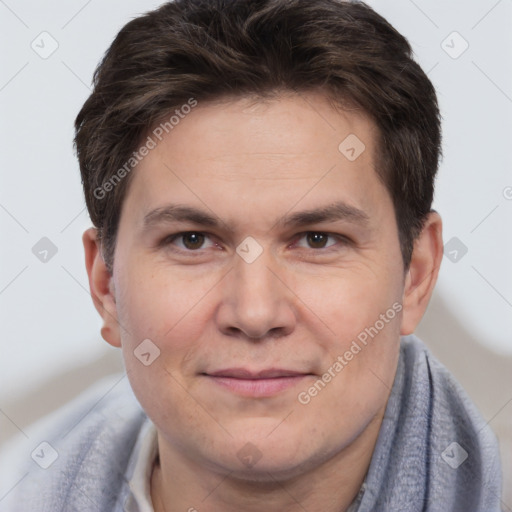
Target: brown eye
{"points": [[193, 240], [317, 240], [322, 242], [188, 242]]}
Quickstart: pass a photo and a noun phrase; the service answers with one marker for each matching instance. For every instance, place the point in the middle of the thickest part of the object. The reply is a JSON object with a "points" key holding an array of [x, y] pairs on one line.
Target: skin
{"points": [[249, 163]]}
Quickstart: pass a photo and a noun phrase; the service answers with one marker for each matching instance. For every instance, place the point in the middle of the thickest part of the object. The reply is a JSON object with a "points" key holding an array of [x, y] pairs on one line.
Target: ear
{"points": [[422, 274], [102, 287]]}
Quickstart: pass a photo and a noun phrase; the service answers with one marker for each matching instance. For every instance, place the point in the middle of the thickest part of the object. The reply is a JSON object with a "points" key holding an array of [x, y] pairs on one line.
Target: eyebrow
{"points": [[333, 212]]}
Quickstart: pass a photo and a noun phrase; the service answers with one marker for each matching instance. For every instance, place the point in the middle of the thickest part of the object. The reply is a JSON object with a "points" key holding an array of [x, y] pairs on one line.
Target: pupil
{"points": [[317, 240], [193, 240]]}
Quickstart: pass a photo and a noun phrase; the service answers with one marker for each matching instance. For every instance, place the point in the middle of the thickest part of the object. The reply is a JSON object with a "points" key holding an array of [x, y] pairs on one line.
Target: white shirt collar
{"points": [[139, 470]]}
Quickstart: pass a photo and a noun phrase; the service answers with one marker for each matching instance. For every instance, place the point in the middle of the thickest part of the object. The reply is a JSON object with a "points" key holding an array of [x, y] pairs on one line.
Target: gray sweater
{"points": [[434, 452]]}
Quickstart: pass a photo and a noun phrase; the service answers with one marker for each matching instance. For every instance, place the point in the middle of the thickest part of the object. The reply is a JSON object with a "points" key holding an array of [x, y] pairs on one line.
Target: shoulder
{"points": [[75, 459], [461, 449], [452, 410], [434, 450], [428, 377]]}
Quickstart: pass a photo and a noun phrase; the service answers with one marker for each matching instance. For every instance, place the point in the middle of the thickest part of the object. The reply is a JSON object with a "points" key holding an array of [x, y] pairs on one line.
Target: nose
{"points": [[256, 303]]}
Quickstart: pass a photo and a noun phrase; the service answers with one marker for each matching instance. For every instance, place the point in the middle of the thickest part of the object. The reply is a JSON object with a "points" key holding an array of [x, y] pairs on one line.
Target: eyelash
{"points": [[340, 239]]}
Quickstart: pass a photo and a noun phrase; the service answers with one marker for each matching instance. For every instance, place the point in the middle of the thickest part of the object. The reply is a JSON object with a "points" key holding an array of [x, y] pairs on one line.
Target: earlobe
{"points": [[422, 274], [101, 287]]}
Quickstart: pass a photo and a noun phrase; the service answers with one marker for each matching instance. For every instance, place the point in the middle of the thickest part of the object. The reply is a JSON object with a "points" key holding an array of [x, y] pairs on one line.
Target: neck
{"points": [[178, 484]]}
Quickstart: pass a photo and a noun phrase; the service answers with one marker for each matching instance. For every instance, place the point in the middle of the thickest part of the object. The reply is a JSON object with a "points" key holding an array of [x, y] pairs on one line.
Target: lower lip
{"points": [[257, 387]]}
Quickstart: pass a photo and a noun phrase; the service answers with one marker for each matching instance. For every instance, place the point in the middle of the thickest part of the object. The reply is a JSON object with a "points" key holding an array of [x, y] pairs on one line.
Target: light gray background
{"points": [[50, 344]]}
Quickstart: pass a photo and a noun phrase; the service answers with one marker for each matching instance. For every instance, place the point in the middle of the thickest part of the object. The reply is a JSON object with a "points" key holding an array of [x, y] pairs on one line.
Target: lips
{"points": [[243, 373], [263, 383]]}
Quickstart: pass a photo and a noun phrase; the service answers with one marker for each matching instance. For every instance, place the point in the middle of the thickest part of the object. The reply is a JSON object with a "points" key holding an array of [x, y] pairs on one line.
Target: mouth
{"points": [[258, 384]]}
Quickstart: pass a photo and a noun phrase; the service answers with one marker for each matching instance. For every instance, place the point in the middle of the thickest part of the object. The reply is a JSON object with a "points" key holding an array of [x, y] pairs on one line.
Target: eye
{"points": [[193, 241], [318, 240], [189, 241]]}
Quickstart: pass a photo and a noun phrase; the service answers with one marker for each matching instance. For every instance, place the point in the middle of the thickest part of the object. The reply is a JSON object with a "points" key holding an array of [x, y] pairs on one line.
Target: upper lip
{"points": [[244, 373]]}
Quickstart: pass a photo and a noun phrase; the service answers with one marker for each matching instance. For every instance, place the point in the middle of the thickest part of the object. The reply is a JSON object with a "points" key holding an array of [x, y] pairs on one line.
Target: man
{"points": [[260, 178]]}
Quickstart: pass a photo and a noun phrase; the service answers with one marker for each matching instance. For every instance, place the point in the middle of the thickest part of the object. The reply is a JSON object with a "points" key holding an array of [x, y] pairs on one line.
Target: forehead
{"points": [[260, 153]]}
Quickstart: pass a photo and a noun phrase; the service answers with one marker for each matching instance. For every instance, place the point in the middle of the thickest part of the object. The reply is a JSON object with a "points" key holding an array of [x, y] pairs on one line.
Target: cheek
{"points": [[169, 312], [369, 334], [348, 302], [174, 311], [362, 312], [159, 304], [358, 376]]}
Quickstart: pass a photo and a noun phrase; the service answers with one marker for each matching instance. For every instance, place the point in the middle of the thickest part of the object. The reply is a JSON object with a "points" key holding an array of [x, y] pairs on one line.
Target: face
{"points": [[261, 259]]}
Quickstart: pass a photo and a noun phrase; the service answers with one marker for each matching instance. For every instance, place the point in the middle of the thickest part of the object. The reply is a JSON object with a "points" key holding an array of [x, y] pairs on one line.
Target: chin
{"points": [[267, 471], [267, 458]]}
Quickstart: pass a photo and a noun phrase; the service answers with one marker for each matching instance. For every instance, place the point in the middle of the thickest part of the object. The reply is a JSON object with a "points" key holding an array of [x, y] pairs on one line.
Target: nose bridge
{"points": [[255, 285], [254, 282]]}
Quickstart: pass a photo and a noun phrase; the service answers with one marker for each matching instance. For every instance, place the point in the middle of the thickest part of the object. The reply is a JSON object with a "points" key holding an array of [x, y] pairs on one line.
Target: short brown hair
{"points": [[206, 49]]}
